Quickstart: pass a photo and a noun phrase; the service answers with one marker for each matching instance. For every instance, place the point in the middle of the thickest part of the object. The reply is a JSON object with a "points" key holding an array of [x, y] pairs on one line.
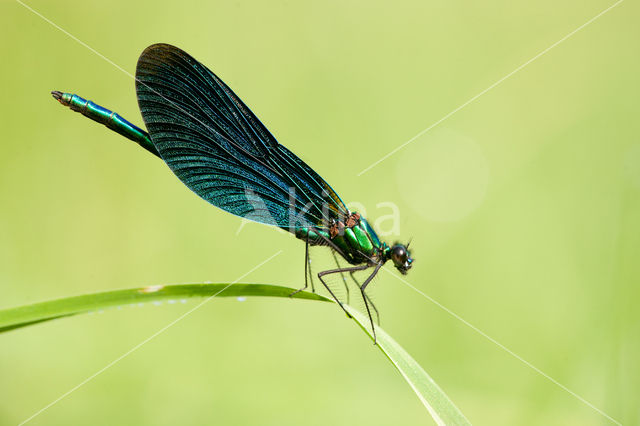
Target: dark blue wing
{"points": [[221, 151]]}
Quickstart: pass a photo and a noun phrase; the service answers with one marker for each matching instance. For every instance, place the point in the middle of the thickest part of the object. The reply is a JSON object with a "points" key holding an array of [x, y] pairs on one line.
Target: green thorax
{"points": [[358, 243]]}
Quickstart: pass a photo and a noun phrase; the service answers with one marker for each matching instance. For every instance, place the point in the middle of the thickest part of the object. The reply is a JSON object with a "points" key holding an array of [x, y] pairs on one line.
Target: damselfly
{"points": [[220, 150]]}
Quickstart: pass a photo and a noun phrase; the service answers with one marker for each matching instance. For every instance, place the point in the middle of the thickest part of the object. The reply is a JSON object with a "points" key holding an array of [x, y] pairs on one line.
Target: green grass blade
{"points": [[22, 316], [443, 411], [434, 399]]}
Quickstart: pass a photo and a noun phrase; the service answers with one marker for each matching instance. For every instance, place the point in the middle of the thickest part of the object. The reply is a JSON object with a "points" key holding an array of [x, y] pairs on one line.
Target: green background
{"points": [[523, 208]]}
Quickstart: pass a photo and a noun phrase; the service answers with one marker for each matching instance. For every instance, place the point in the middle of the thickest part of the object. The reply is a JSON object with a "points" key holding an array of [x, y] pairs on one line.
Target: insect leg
{"points": [[344, 280], [307, 269], [335, 271], [365, 298], [307, 265], [368, 299]]}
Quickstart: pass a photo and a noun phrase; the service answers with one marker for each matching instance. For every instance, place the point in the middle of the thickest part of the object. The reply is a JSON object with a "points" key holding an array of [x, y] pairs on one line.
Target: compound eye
{"points": [[399, 255]]}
